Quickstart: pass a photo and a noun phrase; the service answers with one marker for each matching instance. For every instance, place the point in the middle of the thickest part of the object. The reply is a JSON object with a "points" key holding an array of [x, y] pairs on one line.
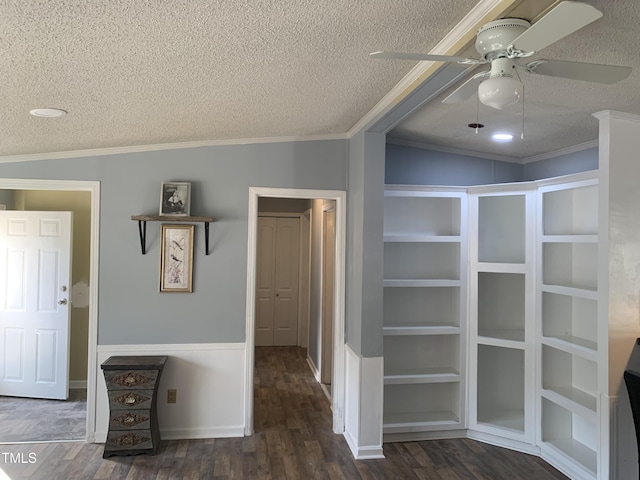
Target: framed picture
{"points": [[175, 198], [176, 262]]}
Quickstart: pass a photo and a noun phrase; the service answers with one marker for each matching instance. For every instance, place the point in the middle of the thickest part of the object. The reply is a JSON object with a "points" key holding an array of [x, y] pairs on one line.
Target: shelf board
{"points": [[510, 420], [502, 334], [577, 452], [500, 342], [570, 291], [570, 238], [172, 218], [573, 400], [421, 330], [491, 267], [574, 345], [399, 282], [422, 375], [424, 419], [424, 238]]}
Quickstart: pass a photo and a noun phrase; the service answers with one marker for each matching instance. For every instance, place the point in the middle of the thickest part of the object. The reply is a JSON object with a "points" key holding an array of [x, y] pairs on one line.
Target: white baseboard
{"points": [[77, 384], [314, 369]]}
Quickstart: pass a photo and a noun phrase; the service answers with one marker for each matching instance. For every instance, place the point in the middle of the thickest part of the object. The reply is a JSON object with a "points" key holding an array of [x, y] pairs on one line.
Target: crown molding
{"points": [[94, 152], [604, 114]]}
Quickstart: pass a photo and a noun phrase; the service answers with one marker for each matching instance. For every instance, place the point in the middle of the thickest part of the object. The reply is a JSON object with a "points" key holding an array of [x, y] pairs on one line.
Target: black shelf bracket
{"points": [[142, 229]]}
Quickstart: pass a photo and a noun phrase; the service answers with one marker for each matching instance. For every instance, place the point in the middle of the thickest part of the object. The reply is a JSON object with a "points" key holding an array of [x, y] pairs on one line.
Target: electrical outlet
{"points": [[172, 395]]}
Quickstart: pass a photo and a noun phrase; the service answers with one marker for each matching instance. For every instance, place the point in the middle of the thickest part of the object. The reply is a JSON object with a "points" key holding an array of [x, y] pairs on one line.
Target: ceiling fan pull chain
{"points": [[522, 134]]}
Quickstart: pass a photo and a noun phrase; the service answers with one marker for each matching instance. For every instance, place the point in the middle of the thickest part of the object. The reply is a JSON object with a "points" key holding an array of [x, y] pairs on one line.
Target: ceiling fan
{"points": [[502, 43]]}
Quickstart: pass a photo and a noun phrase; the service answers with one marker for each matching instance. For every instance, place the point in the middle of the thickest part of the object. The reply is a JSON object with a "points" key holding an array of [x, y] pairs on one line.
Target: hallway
{"points": [[292, 440]]}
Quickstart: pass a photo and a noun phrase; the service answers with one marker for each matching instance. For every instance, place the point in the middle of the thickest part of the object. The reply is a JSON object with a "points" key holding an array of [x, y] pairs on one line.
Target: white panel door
{"points": [[286, 277], [265, 280], [277, 281], [35, 270]]}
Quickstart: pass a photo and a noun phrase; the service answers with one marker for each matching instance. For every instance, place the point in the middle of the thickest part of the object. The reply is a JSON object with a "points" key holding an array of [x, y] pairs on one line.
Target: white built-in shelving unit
{"points": [[491, 318], [567, 309], [501, 312], [425, 291]]}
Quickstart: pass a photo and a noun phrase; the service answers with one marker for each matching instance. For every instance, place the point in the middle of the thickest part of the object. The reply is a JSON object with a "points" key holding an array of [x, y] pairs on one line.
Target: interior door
{"points": [[35, 271], [278, 260]]}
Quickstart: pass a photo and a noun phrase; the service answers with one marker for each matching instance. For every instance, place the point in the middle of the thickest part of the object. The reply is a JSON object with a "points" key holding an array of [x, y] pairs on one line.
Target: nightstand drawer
{"points": [[130, 399], [132, 440], [130, 420], [130, 379]]}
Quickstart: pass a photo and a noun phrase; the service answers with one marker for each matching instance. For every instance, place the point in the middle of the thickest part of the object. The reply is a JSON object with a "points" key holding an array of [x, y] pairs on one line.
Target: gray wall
{"points": [[582, 161], [365, 244], [131, 309], [417, 166]]}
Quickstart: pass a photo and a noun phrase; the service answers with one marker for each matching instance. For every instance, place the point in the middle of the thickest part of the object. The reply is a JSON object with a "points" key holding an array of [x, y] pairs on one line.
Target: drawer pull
{"points": [[130, 400], [130, 380]]}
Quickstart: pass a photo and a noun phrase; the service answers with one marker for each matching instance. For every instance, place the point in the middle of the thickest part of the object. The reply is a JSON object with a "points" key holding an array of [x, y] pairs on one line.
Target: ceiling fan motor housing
{"points": [[494, 37]]}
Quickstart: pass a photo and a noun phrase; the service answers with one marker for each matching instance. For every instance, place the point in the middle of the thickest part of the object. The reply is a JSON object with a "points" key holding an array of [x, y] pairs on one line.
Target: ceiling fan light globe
{"points": [[500, 92]]}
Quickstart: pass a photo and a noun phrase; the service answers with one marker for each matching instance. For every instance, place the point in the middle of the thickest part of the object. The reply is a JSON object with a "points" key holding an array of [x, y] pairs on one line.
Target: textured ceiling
{"points": [[169, 71], [165, 71], [558, 112]]}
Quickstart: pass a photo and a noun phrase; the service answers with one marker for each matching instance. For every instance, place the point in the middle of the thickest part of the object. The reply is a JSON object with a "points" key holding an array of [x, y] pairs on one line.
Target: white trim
{"points": [[94, 152], [169, 347], [338, 387], [604, 114], [77, 384], [314, 369], [193, 433], [94, 256]]}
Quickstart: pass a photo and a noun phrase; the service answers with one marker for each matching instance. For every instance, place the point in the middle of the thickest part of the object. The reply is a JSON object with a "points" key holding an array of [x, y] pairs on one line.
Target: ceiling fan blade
{"points": [[426, 56], [587, 72], [467, 89], [564, 19]]}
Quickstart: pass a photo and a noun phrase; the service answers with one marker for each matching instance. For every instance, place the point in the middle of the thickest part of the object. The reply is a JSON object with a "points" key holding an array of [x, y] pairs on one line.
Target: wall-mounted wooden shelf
{"points": [[143, 219]]}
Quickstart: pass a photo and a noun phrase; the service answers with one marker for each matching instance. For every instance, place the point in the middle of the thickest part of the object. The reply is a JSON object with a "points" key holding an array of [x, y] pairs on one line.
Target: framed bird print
{"points": [[176, 262]]}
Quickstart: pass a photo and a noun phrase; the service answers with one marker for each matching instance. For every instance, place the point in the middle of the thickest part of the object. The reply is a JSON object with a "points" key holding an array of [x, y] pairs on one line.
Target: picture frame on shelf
{"points": [[175, 198], [176, 258]]}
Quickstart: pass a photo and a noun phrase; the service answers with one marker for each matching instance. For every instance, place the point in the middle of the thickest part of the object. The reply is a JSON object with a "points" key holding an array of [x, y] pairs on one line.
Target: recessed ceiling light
{"points": [[502, 137], [47, 112]]}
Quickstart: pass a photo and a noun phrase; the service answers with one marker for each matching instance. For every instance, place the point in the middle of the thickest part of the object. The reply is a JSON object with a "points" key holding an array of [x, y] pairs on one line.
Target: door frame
{"points": [[92, 343], [338, 375], [323, 324]]}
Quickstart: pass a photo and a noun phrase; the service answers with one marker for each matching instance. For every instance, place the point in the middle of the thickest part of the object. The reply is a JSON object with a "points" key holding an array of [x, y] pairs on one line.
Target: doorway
{"points": [[84, 295], [337, 338]]}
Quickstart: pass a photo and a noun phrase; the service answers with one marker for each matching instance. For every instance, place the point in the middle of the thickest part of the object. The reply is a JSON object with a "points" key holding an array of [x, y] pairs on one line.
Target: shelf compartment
{"points": [[422, 355], [501, 305], [421, 405], [570, 320], [500, 385], [422, 261], [570, 435], [421, 215], [571, 211], [571, 377], [421, 307], [501, 229], [571, 265], [421, 375]]}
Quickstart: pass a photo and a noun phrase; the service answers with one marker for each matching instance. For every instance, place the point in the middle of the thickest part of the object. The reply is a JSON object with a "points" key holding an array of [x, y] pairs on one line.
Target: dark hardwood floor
{"points": [[293, 440]]}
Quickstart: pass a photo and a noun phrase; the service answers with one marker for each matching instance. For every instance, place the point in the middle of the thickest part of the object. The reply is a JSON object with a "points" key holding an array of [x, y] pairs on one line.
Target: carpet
{"points": [[37, 420]]}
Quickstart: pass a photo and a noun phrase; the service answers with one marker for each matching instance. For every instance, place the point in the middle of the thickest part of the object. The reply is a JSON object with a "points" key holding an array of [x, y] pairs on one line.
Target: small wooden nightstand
{"points": [[132, 386]]}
